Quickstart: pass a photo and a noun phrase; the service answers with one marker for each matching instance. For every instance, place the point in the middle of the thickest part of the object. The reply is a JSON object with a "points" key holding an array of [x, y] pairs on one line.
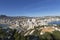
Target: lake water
{"points": [[54, 22]]}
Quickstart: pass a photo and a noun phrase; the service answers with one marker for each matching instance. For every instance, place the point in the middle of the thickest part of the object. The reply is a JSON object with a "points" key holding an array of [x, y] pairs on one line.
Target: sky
{"points": [[30, 7]]}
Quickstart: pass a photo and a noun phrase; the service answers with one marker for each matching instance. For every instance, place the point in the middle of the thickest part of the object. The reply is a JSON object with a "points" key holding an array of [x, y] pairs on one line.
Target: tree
{"points": [[3, 34], [46, 36], [56, 35]]}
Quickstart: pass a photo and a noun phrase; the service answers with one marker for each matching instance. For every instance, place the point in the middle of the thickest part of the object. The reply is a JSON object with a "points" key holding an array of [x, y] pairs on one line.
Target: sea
{"points": [[4, 26], [54, 22]]}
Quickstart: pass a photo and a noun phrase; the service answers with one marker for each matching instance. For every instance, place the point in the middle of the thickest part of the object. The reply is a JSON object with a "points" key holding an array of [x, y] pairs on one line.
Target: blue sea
{"points": [[54, 22], [4, 26]]}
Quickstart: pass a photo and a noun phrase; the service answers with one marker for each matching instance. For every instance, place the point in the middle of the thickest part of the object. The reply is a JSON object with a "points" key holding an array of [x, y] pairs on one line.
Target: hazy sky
{"points": [[30, 7]]}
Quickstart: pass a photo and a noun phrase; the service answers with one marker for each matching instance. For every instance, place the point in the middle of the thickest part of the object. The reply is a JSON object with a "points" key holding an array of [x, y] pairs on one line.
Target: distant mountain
{"points": [[3, 16], [24, 17]]}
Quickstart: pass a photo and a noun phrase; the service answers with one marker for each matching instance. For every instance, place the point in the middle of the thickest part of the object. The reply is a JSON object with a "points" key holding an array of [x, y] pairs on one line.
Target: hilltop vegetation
{"points": [[15, 35]]}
